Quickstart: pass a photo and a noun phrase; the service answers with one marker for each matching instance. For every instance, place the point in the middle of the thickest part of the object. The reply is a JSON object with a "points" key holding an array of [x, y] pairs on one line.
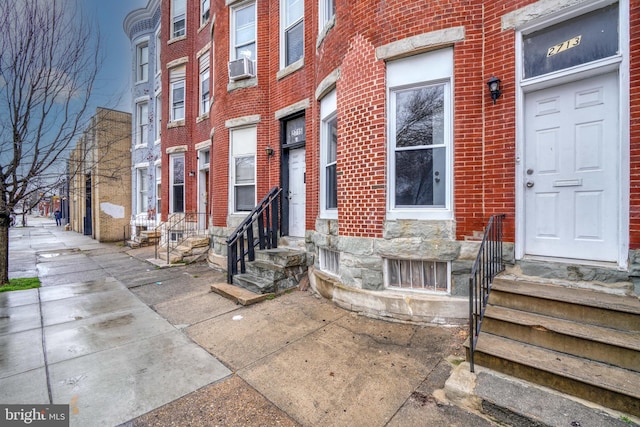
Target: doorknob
{"points": [[529, 184]]}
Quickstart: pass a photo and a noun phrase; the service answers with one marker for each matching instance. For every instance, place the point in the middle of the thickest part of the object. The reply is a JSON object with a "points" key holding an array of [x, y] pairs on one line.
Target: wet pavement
{"points": [[126, 343]]}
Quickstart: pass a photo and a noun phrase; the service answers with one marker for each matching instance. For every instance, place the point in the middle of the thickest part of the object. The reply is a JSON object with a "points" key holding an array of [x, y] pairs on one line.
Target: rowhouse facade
{"points": [[377, 122]]}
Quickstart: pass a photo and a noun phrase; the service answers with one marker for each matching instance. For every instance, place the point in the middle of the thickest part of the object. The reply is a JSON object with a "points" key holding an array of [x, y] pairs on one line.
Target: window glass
{"points": [[177, 184], [177, 102], [245, 32], [331, 168], [577, 41], [418, 275], [143, 62], [204, 84], [204, 11], [420, 152], [143, 123], [179, 17], [296, 131], [293, 39], [143, 204]]}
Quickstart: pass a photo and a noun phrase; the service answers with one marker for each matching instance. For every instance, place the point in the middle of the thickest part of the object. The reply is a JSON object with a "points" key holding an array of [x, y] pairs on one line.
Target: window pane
{"points": [[178, 198], [178, 26], [420, 116], [178, 170], [332, 187], [441, 277], [333, 140], [394, 272], [420, 177], [245, 167], [295, 43], [245, 25], [245, 197], [405, 274], [294, 11]]}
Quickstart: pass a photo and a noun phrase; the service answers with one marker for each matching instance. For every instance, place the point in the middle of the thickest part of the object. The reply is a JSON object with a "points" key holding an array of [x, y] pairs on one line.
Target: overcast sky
{"points": [[113, 85]]}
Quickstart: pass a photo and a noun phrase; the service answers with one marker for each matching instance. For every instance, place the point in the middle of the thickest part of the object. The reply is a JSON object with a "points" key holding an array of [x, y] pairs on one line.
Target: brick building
{"points": [[376, 120], [100, 183]]}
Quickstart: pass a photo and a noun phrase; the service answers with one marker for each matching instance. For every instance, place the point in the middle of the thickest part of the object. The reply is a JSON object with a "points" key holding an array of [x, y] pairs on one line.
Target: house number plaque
{"points": [[566, 45]]}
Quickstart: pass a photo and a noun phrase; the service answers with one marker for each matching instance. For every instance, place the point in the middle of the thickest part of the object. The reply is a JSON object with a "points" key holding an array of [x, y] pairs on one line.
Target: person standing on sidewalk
{"points": [[58, 216]]}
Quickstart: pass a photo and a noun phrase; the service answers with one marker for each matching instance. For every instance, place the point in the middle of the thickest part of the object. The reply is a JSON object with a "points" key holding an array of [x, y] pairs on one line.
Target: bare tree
{"points": [[49, 58]]}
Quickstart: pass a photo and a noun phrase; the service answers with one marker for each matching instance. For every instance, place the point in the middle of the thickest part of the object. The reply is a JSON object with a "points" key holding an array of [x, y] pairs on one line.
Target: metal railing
{"points": [[241, 243], [487, 265], [178, 228]]}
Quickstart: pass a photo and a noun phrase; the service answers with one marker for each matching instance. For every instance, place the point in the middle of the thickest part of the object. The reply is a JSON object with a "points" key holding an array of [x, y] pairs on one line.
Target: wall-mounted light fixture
{"points": [[192, 173], [269, 151], [494, 88]]}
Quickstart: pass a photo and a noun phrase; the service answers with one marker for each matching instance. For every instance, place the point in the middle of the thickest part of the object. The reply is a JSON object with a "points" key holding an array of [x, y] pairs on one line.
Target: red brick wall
{"points": [[484, 133], [361, 142]]}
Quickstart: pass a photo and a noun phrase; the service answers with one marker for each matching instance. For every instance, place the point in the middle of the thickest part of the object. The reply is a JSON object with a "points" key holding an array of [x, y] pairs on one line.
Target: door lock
{"points": [[529, 184]]}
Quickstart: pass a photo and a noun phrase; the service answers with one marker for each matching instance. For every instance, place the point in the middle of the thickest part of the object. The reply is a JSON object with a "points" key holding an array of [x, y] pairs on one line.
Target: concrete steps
{"points": [[273, 271], [190, 250], [578, 341]]}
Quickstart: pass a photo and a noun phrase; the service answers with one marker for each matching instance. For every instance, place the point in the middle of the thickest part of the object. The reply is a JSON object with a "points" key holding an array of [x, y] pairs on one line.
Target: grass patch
{"points": [[21, 284]]}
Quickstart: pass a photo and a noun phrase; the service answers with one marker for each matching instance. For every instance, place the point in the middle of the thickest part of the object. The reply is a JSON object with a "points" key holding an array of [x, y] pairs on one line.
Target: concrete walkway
{"points": [[123, 342]]}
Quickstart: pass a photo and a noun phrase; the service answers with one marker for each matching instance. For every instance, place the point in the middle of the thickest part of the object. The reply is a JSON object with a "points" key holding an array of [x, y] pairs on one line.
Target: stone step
{"points": [[254, 283], [606, 385], [576, 304], [615, 347], [266, 270], [285, 257], [239, 295]]}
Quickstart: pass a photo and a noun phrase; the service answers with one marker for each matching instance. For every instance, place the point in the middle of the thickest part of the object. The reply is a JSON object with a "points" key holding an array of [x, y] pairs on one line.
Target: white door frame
{"points": [[619, 63]]}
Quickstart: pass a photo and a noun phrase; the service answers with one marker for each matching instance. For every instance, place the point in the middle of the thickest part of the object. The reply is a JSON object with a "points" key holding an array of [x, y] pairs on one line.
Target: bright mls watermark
{"points": [[34, 415]]}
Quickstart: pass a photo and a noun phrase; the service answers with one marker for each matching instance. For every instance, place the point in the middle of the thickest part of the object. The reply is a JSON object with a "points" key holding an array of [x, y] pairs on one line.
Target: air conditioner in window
{"points": [[241, 69]]}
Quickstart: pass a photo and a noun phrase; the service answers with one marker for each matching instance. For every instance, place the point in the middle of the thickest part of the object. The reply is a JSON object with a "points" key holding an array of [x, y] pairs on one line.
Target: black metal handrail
{"points": [[487, 265], [241, 243]]}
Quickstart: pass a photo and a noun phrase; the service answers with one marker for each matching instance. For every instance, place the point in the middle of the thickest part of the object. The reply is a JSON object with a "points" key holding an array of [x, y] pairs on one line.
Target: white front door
{"points": [[297, 192], [571, 170]]}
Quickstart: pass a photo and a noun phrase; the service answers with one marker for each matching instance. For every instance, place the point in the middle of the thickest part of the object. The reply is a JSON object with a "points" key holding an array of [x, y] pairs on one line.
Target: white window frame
{"points": [[177, 78], [158, 187], [157, 116], [233, 45], [428, 69], [328, 113], [419, 264], [243, 143], [142, 123], [205, 76], [205, 11], [178, 13], [142, 62], [158, 50], [173, 186], [326, 12], [286, 27], [142, 189]]}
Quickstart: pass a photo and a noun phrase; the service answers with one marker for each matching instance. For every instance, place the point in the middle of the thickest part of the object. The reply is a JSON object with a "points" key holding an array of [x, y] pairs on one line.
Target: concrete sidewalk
{"points": [[123, 342]]}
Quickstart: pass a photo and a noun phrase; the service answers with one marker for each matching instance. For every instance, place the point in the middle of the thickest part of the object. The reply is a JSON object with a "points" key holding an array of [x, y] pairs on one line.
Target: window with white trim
{"points": [[326, 13], [420, 141], [292, 31], [177, 93], [178, 18], [328, 156], [158, 188], [157, 51], [142, 123], [143, 190], [142, 56], [243, 169], [243, 34], [204, 84], [176, 178], [204, 11], [422, 275], [329, 261], [158, 118]]}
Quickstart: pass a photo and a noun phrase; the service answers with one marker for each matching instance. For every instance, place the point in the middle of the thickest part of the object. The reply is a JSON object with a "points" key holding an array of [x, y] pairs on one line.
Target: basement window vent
{"points": [[176, 236], [421, 275], [329, 261]]}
